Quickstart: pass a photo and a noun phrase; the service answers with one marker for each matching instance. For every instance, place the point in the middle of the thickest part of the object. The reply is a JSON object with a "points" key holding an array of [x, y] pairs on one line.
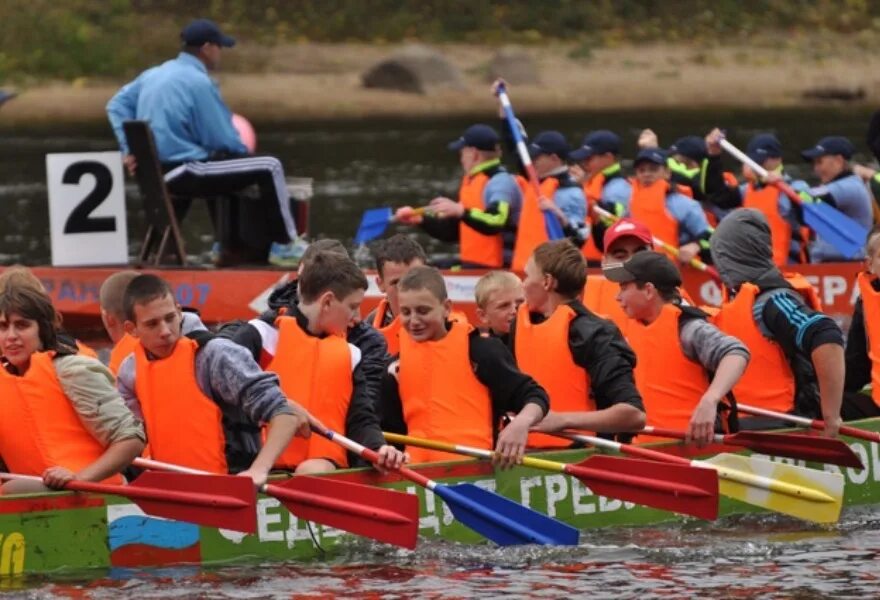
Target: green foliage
{"points": [[87, 38]]}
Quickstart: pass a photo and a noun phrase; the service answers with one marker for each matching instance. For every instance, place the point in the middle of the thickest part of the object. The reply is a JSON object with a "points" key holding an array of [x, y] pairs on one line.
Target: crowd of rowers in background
{"points": [[681, 193], [556, 350]]}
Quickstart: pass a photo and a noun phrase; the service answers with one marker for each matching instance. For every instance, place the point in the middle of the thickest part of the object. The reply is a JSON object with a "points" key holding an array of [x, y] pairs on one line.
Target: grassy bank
{"points": [[297, 82]]}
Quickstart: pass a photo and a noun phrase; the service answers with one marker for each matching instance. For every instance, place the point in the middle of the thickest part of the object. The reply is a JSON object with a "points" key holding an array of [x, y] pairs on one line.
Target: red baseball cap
{"points": [[628, 227]]}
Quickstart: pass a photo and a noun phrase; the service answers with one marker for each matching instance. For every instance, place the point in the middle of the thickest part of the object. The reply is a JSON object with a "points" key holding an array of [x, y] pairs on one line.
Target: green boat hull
{"points": [[61, 532]]}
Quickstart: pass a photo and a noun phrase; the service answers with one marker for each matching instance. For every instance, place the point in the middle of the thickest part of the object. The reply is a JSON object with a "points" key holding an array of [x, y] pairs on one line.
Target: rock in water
{"points": [[515, 65], [413, 69]]}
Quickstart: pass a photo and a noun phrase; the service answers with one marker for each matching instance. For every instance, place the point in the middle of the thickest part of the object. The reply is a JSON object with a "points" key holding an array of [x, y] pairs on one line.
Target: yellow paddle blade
{"points": [[804, 493]]}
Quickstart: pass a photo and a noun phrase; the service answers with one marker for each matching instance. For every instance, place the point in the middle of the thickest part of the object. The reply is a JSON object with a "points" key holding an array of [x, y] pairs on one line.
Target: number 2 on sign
{"points": [[80, 219]]}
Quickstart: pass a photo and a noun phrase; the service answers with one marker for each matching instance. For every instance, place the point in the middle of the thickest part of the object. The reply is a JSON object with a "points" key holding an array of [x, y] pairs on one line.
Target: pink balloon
{"points": [[245, 132]]}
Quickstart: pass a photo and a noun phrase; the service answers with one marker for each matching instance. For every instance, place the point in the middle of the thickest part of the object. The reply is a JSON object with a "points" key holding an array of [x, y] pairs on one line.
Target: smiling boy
{"points": [[451, 384]]}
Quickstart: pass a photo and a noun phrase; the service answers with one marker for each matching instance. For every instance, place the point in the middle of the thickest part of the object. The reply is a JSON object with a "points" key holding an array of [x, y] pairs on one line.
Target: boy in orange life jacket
{"points": [[60, 414], [498, 295], [794, 347], [484, 218], [113, 316], [766, 150], [450, 383], [285, 298], [598, 159], [863, 340], [685, 366], [559, 194], [320, 369], [670, 215], [394, 257], [581, 359], [623, 239], [203, 398]]}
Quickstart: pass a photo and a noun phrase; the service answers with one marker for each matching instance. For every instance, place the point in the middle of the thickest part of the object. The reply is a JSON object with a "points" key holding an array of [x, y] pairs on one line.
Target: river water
{"points": [[738, 557], [368, 163]]}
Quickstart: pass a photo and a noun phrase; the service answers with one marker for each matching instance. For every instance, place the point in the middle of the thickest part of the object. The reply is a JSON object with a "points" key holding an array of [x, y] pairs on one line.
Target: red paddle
{"points": [[384, 515], [222, 501], [805, 447]]}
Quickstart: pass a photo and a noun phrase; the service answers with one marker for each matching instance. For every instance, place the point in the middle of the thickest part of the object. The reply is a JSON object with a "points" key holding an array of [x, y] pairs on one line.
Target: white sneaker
{"points": [[289, 254]]}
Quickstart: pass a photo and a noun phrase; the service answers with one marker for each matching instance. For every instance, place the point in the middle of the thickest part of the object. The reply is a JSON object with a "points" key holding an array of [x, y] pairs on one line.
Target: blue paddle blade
{"points": [[502, 520], [373, 224], [834, 227], [553, 226]]}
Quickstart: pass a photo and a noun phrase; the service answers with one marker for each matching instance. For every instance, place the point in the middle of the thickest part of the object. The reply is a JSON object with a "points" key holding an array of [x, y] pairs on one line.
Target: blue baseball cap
{"points": [[690, 146], [764, 146], [600, 141], [205, 31], [479, 136], [654, 155], [549, 142], [831, 145]]}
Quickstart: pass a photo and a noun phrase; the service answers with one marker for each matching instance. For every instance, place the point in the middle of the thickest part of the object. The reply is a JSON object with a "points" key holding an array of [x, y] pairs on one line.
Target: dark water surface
{"points": [[360, 164], [367, 163]]}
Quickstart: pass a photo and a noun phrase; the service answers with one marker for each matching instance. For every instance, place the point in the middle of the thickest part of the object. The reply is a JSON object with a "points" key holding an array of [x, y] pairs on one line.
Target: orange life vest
{"points": [[531, 231], [475, 247], [768, 381], [390, 332], [315, 373], [85, 350], [39, 427], [542, 351], [871, 308], [184, 426], [600, 296], [593, 192], [125, 346], [671, 384], [766, 200], [648, 206], [441, 397]]}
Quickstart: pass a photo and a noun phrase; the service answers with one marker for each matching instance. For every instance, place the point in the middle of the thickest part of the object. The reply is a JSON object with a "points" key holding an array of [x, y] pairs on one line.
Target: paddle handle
{"points": [[373, 456], [759, 170], [694, 262], [871, 436], [148, 463]]}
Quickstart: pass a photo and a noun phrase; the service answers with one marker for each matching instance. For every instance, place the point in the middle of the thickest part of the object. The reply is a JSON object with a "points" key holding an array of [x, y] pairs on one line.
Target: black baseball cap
{"points": [[647, 267], [600, 141], [479, 136], [549, 142], [831, 145], [690, 146], [764, 146], [205, 31], [654, 155]]}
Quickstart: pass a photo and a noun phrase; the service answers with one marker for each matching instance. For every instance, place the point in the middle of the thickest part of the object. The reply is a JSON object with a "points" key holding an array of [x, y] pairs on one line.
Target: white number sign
{"points": [[87, 209]]}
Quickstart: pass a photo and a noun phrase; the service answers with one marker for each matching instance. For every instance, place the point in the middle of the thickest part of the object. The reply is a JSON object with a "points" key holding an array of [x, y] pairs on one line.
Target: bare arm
{"points": [[115, 458], [702, 425], [616, 418], [828, 360], [281, 429]]}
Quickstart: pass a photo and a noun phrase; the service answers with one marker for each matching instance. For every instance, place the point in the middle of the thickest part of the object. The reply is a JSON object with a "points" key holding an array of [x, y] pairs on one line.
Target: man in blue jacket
{"points": [[200, 151]]}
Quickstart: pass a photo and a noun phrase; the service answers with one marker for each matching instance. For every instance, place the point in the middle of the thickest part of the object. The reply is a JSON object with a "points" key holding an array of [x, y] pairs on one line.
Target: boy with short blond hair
{"points": [[498, 295], [451, 384], [581, 359]]}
